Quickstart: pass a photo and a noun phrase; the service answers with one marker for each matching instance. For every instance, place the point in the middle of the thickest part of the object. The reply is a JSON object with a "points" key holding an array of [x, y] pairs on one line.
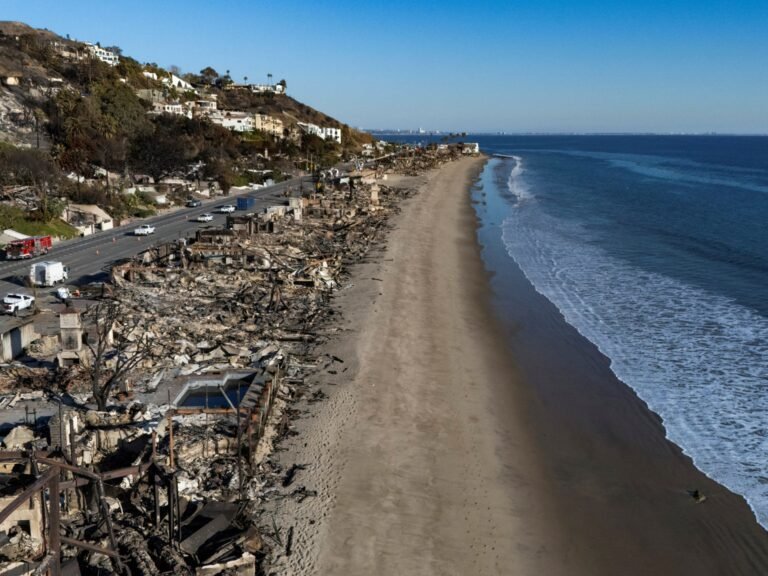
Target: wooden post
{"points": [[54, 533], [170, 437], [73, 460], [170, 430], [249, 433], [178, 507], [171, 508], [156, 495], [108, 521]]}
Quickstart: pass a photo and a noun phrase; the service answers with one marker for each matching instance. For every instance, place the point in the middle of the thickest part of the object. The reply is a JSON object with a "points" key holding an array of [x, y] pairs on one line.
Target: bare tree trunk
{"points": [[126, 349]]}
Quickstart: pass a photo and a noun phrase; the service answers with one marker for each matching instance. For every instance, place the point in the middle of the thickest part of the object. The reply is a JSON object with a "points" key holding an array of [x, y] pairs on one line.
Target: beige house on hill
{"points": [[268, 124], [87, 218]]}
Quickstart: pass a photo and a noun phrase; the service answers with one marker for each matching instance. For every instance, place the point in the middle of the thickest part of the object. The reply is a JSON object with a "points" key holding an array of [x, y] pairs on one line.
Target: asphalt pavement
{"points": [[89, 258]]}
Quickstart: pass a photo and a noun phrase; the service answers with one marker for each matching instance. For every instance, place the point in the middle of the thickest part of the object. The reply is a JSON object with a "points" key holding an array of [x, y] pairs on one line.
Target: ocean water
{"points": [[656, 250]]}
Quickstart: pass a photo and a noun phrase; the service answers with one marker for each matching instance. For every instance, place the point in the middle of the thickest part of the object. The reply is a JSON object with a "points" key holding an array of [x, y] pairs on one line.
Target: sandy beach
{"points": [[421, 464], [463, 438]]}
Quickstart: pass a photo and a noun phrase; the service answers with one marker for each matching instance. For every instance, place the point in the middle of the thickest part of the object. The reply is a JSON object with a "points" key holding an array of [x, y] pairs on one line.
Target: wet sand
{"points": [[621, 488], [452, 443]]}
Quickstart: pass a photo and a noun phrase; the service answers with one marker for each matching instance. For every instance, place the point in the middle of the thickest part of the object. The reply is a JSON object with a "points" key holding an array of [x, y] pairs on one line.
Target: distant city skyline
{"points": [[538, 66]]}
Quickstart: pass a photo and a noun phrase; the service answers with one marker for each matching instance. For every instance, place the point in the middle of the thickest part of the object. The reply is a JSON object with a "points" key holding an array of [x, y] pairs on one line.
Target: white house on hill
{"points": [[175, 108], [326, 133], [178, 83], [235, 121], [106, 56]]}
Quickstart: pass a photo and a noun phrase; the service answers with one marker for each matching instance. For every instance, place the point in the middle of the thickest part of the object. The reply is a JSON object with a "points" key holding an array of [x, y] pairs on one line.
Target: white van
{"points": [[48, 273]]}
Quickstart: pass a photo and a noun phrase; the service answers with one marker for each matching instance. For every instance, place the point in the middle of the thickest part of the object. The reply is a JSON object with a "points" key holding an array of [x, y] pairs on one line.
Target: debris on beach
{"points": [[144, 425], [697, 496]]}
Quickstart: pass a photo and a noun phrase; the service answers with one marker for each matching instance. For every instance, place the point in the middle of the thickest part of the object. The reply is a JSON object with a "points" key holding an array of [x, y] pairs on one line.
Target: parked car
{"points": [[205, 217], [144, 230], [192, 203], [226, 209], [12, 303]]}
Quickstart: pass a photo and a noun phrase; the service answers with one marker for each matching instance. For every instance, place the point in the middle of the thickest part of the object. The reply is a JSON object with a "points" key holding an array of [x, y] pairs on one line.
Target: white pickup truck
{"points": [[12, 303], [144, 230]]}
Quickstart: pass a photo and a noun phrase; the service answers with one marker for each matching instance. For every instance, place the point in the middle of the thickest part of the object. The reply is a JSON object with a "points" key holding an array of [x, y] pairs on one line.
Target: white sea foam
{"points": [[516, 184], [698, 359]]}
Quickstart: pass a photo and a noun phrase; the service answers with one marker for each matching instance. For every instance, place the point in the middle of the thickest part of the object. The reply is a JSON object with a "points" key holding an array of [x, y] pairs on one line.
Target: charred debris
{"points": [[137, 436]]}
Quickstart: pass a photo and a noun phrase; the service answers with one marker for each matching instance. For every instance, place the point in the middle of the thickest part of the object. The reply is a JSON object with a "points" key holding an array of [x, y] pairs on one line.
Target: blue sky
{"points": [[539, 65]]}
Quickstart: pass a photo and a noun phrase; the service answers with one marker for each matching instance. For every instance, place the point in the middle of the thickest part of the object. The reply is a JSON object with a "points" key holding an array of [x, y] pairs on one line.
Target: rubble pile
{"points": [[256, 299], [24, 197], [19, 379], [420, 160], [170, 476]]}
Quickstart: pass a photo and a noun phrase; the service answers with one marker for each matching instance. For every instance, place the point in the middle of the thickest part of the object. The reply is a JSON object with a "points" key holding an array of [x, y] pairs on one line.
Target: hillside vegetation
{"points": [[95, 123]]}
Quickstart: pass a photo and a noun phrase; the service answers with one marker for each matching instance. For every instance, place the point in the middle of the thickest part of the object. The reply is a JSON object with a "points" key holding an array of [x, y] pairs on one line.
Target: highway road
{"points": [[90, 257]]}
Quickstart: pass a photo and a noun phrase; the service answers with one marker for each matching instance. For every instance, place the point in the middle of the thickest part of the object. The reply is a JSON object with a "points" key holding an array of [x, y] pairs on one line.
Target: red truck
{"points": [[28, 247]]}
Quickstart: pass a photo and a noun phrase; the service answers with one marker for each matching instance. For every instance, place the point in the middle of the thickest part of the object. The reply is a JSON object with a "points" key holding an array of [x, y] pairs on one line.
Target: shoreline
{"points": [[469, 429], [617, 477], [410, 453]]}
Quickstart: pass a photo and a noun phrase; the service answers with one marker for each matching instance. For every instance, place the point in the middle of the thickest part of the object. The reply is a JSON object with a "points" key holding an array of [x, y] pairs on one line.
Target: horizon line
{"points": [[412, 132]]}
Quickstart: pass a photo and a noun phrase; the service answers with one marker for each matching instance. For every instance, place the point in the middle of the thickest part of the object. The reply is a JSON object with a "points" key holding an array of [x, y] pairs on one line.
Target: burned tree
{"points": [[119, 344]]}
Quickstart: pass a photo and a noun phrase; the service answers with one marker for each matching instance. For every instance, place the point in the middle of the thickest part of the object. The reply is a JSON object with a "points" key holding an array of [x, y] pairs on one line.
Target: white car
{"points": [[205, 217], [12, 303], [227, 209], [144, 230]]}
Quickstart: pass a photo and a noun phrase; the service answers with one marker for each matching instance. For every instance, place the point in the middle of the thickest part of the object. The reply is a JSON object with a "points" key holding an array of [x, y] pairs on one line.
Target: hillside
{"points": [[46, 63], [89, 124], [288, 109], [19, 46]]}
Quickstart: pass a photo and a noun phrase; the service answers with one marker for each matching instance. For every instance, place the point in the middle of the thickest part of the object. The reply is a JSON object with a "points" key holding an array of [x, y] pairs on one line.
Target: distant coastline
{"points": [[439, 133]]}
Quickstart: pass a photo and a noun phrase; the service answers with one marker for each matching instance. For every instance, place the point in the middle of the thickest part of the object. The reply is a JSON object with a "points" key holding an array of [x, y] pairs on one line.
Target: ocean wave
{"points": [[698, 359], [516, 184], [682, 171]]}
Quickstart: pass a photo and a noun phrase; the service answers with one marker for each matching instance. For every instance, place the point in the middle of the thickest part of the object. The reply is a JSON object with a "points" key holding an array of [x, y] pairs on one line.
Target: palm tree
{"points": [[269, 78], [245, 79]]}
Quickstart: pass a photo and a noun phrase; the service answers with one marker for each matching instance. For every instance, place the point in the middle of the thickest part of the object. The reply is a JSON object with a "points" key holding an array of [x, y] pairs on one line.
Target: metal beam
{"points": [[90, 547], [28, 493], [22, 454], [122, 472], [74, 469], [110, 475], [74, 483]]}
